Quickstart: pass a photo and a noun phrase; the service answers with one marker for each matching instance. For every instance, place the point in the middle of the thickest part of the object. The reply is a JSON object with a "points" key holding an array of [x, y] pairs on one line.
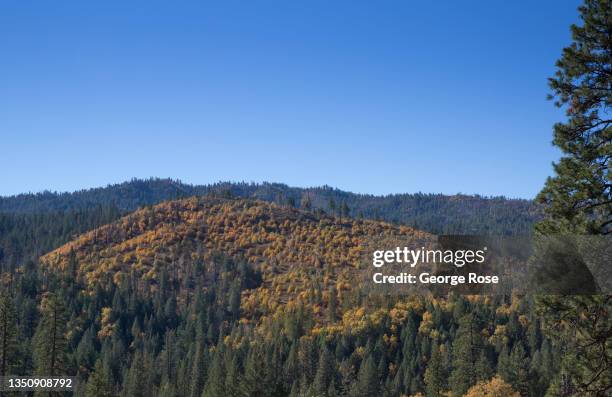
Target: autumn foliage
{"points": [[302, 257]]}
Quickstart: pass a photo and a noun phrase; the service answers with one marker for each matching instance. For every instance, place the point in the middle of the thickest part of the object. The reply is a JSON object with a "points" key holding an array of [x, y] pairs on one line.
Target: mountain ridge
{"points": [[435, 213]]}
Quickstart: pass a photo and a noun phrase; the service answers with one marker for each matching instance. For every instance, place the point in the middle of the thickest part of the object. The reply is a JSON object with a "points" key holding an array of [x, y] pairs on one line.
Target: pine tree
{"points": [[232, 377], [345, 210], [168, 358], [100, 383], [518, 371], [325, 372], [483, 367], [332, 205], [548, 365], [234, 300], [534, 336], [215, 384], [134, 383], [465, 350], [435, 374], [333, 305], [198, 369], [8, 334], [183, 372], [85, 355], [167, 390], [306, 203], [50, 338], [503, 363], [254, 381], [582, 326], [309, 358], [579, 197], [295, 389], [367, 379], [406, 377], [291, 367]]}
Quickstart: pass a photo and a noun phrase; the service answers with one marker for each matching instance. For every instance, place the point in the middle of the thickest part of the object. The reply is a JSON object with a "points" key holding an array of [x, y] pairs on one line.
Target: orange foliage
{"points": [[496, 387], [297, 252]]}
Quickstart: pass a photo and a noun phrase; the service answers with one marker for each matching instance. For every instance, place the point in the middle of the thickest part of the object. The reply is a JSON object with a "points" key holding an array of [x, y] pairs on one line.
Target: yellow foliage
{"points": [[496, 387], [107, 328], [285, 244], [426, 323]]}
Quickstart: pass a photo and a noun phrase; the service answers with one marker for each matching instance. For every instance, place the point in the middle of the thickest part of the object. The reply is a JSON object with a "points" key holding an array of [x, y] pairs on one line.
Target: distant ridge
{"points": [[435, 213]]}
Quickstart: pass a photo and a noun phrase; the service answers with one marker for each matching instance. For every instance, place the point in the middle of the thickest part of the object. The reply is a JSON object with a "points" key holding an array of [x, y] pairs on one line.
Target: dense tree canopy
{"points": [[215, 296], [578, 199]]}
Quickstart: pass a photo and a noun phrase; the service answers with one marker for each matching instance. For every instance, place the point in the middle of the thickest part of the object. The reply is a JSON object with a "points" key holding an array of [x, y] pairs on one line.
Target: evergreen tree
{"points": [[169, 358], [234, 300], [324, 376], [215, 385], [50, 339], [406, 377], [254, 381], [483, 367], [579, 198], [85, 355], [198, 369], [503, 363], [518, 371], [345, 210], [167, 390], [134, 384], [306, 203], [331, 203], [233, 375], [8, 334], [582, 326], [333, 305], [435, 374], [465, 352], [99, 383], [367, 379], [295, 390], [309, 358], [291, 367]]}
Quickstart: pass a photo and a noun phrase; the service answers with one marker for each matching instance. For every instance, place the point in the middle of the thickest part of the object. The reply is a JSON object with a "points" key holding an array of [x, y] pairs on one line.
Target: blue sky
{"points": [[367, 96]]}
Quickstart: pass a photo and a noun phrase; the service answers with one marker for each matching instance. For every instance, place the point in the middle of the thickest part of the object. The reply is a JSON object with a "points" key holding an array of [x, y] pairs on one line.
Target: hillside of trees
{"points": [[26, 236], [296, 253], [157, 288], [435, 213], [233, 297], [33, 224]]}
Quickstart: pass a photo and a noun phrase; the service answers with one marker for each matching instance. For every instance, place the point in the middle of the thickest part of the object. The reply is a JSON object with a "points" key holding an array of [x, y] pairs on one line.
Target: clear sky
{"points": [[367, 96]]}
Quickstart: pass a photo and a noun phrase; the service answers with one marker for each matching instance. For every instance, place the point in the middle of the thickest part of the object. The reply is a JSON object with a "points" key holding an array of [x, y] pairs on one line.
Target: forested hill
{"points": [[435, 213], [210, 296], [294, 252]]}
